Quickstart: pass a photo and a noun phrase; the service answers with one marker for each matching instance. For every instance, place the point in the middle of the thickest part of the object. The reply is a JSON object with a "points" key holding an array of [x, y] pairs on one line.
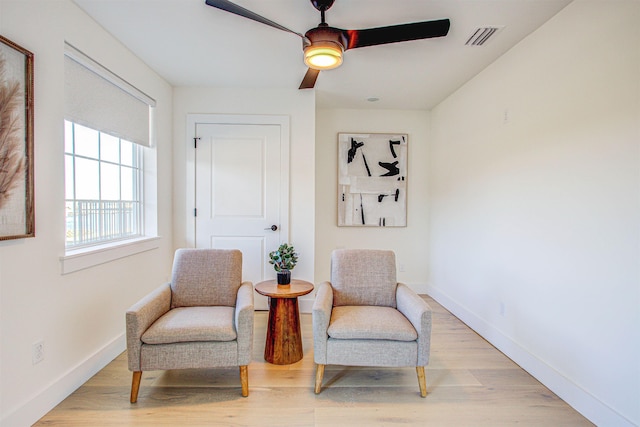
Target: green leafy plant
{"points": [[284, 258]]}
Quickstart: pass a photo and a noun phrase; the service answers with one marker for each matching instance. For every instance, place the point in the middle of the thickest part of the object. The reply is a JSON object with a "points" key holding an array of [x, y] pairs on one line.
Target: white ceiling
{"points": [[192, 44]]}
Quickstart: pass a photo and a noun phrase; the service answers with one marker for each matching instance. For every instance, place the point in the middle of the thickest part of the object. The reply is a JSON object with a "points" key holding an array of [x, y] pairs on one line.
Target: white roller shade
{"points": [[99, 99]]}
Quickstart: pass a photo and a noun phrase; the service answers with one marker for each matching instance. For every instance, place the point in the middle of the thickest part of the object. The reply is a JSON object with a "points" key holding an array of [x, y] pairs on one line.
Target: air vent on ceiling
{"points": [[481, 35]]}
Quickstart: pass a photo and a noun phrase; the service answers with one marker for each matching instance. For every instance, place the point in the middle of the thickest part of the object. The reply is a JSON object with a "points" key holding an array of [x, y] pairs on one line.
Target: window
{"points": [[103, 185], [109, 208]]}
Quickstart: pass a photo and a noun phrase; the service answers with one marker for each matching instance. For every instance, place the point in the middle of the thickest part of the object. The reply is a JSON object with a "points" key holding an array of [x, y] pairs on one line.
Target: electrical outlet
{"points": [[37, 352], [401, 268], [502, 309]]}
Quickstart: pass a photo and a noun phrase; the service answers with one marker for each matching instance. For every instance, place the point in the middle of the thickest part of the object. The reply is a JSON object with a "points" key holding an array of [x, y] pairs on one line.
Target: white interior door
{"points": [[238, 194]]}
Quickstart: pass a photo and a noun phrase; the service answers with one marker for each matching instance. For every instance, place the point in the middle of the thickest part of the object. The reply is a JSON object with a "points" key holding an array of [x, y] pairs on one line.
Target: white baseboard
{"points": [[47, 399], [582, 401]]}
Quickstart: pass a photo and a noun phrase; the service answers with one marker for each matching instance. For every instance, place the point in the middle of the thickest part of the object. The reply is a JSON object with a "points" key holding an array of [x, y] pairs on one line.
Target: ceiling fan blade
{"points": [[309, 80], [397, 33], [246, 13]]}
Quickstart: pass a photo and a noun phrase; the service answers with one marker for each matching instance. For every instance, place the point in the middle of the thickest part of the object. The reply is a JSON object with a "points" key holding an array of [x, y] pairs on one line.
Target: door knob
{"points": [[272, 228]]}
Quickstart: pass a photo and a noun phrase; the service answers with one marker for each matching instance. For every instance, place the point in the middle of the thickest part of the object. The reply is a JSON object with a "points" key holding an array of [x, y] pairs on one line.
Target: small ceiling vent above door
{"points": [[482, 34]]}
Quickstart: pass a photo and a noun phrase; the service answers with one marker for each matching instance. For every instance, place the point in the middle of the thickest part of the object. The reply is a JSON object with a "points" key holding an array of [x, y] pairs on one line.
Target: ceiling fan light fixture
{"points": [[323, 55]]}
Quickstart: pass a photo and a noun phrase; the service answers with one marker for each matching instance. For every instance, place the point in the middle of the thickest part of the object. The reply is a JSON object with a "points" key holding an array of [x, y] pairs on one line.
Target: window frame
{"points": [[76, 258], [137, 167]]}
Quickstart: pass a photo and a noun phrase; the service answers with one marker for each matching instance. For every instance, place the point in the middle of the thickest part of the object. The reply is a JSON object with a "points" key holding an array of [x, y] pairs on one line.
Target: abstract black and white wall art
{"points": [[372, 179]]}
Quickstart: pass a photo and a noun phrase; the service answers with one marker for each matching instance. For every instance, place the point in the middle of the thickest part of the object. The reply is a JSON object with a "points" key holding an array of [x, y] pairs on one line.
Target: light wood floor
{"points": [[469, 382]]}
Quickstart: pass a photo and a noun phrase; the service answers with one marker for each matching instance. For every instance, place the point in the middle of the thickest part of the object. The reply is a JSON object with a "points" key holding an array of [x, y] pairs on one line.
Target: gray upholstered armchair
{"points": [[363, 317], [202, 319]]}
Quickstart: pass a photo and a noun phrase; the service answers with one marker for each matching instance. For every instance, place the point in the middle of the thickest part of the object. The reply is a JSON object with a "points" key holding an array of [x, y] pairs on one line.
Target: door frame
{"points": [[236, 119]]}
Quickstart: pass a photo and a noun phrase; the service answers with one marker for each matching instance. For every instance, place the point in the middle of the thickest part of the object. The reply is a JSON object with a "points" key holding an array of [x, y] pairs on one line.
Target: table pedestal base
{"points": [[284, 339]]}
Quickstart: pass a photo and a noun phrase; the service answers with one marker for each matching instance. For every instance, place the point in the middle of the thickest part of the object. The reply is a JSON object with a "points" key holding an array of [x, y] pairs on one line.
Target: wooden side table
{"points": [[284, 339]]}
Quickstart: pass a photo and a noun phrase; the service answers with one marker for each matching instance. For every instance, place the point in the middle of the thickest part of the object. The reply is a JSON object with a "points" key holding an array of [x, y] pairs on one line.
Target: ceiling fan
{"points": [[324, 45]]}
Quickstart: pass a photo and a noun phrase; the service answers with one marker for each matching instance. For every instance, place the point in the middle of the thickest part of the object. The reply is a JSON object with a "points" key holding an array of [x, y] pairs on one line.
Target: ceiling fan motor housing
{"points": [[322, 41], [324, 33]]}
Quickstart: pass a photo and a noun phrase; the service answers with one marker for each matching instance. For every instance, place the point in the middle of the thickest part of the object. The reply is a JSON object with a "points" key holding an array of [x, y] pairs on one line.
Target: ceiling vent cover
{"points": [[481, 35]]}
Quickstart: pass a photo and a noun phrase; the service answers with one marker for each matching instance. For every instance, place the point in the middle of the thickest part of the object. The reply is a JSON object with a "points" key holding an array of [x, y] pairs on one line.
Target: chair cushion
{"points": [[188, 324], [205, 277], [370, 322], [363, 277]]}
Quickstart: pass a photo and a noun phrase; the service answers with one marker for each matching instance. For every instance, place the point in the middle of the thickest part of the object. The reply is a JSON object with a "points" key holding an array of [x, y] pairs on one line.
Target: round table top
{"points": [[270, 288]]}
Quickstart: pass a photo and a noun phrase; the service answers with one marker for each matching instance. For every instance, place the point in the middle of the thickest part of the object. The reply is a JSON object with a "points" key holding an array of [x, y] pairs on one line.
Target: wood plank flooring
{"points": [[469, 383]]}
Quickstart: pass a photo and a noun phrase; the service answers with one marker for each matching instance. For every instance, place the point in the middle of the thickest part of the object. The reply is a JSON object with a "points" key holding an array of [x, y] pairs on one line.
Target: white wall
{"points": [[409, 243], [538, 215], [80, 316], [299, 106], [535, 206]]}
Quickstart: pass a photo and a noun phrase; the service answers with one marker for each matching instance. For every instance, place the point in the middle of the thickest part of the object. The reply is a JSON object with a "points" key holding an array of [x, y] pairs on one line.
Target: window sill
{"points": [[79, 259]]}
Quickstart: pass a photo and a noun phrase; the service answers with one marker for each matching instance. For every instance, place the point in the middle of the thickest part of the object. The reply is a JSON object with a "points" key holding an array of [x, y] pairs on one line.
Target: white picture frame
{"points": [[372, 179]]}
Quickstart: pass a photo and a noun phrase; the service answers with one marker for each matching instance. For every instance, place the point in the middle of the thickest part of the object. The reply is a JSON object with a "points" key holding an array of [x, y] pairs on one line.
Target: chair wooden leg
{"points": [[422, 381], [244, 380], [135, 386], [319, 375]]}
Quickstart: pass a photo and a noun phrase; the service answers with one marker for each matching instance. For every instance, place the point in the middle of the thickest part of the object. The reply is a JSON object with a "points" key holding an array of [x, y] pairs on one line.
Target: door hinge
{"points": [[195, 211], [195, 142]]}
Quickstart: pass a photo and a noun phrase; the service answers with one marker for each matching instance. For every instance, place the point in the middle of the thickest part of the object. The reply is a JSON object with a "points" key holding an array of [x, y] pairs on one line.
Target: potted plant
{"points": [[283, 259]]}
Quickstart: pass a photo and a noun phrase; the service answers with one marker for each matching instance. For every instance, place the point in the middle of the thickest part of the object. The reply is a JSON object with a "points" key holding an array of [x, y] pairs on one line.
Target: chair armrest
{"points": [[414, 308], [321, 315], [140, 316], [244, 322]]}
